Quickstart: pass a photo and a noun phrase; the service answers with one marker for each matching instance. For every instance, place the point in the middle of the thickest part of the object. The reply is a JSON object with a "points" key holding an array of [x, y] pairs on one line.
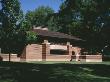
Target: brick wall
{"points": [[41, 52], [13, 57], [32, 52], [45, 51], [53, 57], [89, 58], [36, 52]]}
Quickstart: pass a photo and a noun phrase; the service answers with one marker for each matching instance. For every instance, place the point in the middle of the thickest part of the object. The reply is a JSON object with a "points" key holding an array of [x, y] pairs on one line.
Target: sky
{"points": [[32, 4]]}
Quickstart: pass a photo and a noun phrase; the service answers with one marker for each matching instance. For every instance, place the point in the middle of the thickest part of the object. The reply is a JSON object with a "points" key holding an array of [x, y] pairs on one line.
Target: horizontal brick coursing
{"points": [[93, 60], [12, 57], [32, 53], [93, 56], [89, 58], [37, 52], [52, 57]]}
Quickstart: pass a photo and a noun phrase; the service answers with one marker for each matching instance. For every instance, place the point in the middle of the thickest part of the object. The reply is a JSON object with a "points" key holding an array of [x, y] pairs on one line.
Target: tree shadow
{"points": [[59, 72]]}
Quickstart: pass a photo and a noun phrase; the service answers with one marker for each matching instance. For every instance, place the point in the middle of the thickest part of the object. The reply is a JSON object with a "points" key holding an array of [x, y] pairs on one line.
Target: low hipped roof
{"points": [[47, 33]]}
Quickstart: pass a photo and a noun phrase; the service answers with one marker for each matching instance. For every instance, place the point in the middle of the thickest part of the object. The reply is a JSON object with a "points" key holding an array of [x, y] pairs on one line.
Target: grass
{"points": [[68, 62], [54, 72]]}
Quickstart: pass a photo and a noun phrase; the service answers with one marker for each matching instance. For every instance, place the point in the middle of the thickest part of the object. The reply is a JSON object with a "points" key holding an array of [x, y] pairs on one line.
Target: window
{"points": [[58, 52]]}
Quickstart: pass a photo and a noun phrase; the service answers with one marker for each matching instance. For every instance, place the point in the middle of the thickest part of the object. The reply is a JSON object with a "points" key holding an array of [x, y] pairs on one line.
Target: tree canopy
{"points": [[13, 37], [88, 19], [11, 14], [41, 16]]}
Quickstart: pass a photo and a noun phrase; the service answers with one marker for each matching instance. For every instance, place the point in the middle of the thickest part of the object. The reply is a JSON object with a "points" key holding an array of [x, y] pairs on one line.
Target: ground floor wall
{"points": [[90, 58], [58, 58], [13, 57], [41, 52], [32, 52], [84, 58]]}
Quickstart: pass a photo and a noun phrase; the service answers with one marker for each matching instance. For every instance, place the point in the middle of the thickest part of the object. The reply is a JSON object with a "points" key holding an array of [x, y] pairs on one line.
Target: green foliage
{"points": [[88, 12], [29, 19], [13, 34], [10, 18], [0, 19], [31, 37], [10, 14], [25, 25], [42, 16], [87, 19]]}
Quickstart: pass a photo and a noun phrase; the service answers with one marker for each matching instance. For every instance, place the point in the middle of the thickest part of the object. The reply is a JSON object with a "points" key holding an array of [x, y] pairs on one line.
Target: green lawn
{"points": [[54, 72]]}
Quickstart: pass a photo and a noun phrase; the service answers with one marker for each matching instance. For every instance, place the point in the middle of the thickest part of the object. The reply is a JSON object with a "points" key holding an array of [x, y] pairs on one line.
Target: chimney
{"points": [[40, 27], [45, 28]]}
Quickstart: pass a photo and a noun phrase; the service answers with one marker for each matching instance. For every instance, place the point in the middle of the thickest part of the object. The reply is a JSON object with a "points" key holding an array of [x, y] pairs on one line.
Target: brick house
{"points": [[54, 46]]}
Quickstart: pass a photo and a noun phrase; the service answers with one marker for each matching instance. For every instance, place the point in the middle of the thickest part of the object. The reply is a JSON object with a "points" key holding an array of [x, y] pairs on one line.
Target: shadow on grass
{"points": [[59, 72]]}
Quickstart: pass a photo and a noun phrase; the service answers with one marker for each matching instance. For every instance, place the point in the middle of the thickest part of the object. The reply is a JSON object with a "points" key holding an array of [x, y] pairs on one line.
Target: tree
{"points": [[31, 37], [0, 20], [85, 19], [29, 20], [42, 16], [13, 34], [11, 17], [68, 15]]}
